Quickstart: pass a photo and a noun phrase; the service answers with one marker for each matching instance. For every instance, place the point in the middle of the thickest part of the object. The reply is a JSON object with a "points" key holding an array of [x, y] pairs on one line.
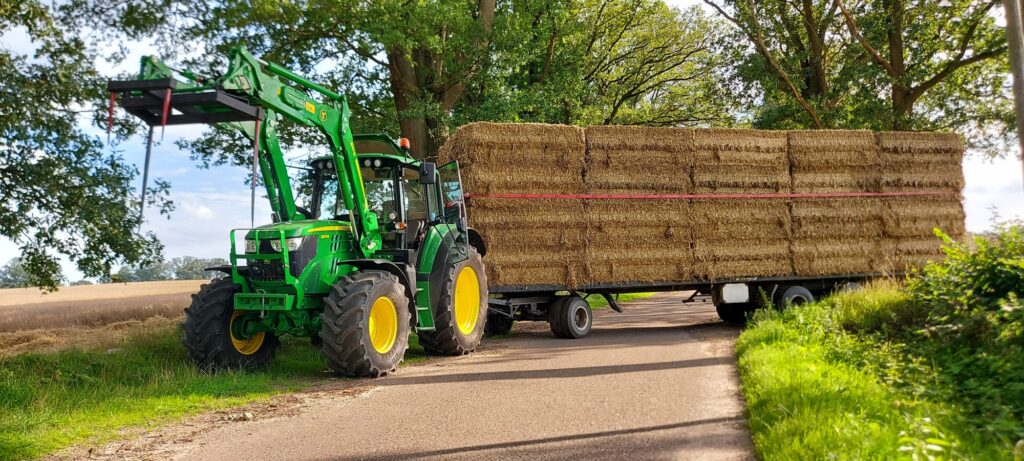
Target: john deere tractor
{"points": [[381, 249]]}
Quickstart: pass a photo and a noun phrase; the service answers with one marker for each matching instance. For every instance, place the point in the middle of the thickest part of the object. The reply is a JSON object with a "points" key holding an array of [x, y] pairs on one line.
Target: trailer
{"points": [[569, 314]]}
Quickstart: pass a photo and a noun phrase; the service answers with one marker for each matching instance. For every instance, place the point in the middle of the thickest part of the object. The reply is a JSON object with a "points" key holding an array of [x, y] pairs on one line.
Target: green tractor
{"points": [[382, 248]]}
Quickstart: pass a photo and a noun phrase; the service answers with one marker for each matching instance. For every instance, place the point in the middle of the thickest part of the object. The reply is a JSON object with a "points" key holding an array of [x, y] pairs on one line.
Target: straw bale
{"points": [[846, 217], [842, 178], [618, 155], [920, 161], [918, 216], [724, 270], [919, 143], [825, 149], [740, 161], [813, 257], [736, 219], [508, 157]]}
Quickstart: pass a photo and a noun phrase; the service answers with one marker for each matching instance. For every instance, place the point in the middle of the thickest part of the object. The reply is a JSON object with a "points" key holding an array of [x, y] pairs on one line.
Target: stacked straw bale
{"points": [[743, 237], [518, 157], [836, 236], [576, 241], [529, 242], [920, 162], [638, 240]]}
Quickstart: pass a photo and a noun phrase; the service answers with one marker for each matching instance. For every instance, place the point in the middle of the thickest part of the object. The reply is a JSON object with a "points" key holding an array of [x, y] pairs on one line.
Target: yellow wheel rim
{"points": [[245, 346], [383, 324], [467, 300]]}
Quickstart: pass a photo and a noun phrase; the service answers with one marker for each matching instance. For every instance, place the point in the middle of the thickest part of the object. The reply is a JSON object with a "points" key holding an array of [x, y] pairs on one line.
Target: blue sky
{"points": [[212, 202]]}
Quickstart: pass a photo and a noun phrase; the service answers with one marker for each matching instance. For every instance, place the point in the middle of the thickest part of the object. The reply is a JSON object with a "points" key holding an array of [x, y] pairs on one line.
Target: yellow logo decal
{"points": [[310, 107], [323, 115]]}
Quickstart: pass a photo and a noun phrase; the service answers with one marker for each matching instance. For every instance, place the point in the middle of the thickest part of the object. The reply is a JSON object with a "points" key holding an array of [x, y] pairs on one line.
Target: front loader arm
{"points": [[274, 90]]}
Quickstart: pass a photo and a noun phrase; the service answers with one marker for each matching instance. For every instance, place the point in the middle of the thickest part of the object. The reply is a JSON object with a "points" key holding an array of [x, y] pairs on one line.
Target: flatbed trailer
{"points": [[570, 316]]}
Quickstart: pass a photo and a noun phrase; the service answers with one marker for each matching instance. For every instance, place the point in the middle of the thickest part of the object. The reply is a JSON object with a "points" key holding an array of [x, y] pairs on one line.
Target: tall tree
{"points": [[877, 64], [921, 45], [62, 192]]}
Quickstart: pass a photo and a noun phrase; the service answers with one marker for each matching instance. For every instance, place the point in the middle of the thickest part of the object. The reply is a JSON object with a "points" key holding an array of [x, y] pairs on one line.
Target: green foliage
{"points": [[63, 193], [182, 268], [13, 274], [932, 370], [51, 401], [909, 65]]}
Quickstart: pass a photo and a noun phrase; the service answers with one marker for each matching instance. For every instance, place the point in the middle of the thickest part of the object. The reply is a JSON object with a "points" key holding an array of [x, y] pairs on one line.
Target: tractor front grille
{"points": [[266, 271], [273, 270]]}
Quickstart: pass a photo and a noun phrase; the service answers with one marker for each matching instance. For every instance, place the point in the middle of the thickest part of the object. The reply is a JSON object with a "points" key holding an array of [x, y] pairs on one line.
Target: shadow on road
{"points": [[604, 445]]}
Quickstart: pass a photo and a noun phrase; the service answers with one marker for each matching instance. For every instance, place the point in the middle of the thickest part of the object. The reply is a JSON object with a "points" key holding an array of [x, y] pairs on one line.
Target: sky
{"points": [[211, 202]]}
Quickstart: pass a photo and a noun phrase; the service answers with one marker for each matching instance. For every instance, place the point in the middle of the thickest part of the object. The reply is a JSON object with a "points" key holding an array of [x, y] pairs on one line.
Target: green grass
{"points": [[51, 401], [843, 379], [598, 301]]}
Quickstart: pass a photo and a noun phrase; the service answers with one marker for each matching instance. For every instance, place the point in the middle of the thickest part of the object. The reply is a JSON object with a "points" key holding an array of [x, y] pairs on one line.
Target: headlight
{"points": [[292, 243], [250, 246]]}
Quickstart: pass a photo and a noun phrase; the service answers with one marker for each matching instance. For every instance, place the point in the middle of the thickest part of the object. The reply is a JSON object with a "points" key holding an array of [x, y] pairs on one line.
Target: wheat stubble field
{"points": [[88, 316]]}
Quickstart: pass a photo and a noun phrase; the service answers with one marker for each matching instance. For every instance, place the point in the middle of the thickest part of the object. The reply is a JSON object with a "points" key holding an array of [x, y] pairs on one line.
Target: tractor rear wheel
{"points": [[461, 311], [209, 339], [365, 328]]}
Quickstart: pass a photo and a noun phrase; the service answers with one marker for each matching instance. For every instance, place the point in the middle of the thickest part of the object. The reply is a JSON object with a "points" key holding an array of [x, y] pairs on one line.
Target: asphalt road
{"points": [[656, 382]]}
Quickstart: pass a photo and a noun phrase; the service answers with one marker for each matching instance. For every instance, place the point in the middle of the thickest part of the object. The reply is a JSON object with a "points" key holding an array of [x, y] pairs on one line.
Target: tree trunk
{"points": [[902, 108]]}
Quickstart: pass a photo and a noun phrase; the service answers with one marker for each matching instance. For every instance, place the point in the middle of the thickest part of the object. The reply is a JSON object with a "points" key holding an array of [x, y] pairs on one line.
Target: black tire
{"points": [[570, 317], [734, 314], [793, 295], [448, 337], [498, 324], [206, 332], [345, 336]]}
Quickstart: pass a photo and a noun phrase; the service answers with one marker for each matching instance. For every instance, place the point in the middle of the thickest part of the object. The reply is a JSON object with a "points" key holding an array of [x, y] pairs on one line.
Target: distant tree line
{"points": [[14, 275]]}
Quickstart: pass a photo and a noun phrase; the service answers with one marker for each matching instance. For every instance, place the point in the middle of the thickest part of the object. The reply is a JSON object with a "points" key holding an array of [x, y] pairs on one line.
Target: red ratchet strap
{"points": [[707, 196]]}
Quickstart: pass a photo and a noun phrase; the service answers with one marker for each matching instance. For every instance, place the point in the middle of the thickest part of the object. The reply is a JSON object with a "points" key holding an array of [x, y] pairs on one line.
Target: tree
{"points": [[13, 275], [876, 64], [193, 268], [601, 62], [63, 193]]}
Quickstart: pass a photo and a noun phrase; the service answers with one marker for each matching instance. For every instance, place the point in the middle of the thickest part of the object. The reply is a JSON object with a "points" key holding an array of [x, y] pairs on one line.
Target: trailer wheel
{"points": [[208, 337], [735, 313], [794, 295], [461, 310], [498, 324], [365, 328], [570, 317]]}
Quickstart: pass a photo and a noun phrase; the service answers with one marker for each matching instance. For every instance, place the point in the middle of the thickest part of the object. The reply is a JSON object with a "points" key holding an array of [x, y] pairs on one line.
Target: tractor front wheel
{"points": [[461, 311], [208, 335], [365, 328]]}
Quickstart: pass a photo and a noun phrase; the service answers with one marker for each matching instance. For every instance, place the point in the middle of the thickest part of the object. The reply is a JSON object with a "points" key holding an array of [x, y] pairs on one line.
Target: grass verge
{"points": [[930, 370], [52, 401], [598, 301]]}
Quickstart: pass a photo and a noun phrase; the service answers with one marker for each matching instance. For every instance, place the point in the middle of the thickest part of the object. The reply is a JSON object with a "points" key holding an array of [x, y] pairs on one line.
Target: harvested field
{"points": [[578, 241], [93, 305]]}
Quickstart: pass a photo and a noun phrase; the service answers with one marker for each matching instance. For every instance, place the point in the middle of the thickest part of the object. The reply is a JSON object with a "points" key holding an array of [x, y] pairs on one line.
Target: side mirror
{"points": [[428, 173]]}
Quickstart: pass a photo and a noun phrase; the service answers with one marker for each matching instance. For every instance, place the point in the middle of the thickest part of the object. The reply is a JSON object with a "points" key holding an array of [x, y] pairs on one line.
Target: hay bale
{"points": [[518, 157], [638, 241], [919, 216], [739, 219], [740, 161], [834, 161], [921, 161], [832, 218], [814, 257], [617, 154], [537, 242]]}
